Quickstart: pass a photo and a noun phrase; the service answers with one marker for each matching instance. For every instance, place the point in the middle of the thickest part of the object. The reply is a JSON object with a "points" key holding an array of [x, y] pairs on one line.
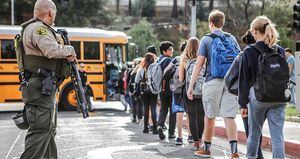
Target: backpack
{"points": [[144, 86], [197, 89], [223, 52], [155, 76], [175, 84], [272, 78], [131, 84], [232, 76]]}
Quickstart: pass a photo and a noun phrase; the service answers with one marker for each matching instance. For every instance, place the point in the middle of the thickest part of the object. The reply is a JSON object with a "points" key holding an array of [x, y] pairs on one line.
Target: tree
{"points": [[143, 35], [144, 8], [186, 11], [87, 13], [228, 7], [129, 7], [118, 6], [262, 7], [175, 9], [246, 5], [211, 5]]}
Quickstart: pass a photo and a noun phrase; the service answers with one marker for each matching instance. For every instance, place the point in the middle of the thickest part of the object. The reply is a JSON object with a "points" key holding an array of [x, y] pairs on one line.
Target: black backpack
{"points": [[131, 84], [232, 76], [272, 78], [144, 86]]}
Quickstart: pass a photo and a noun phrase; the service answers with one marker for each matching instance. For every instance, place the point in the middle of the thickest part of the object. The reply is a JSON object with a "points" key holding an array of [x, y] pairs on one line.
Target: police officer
{"points": [[43, 53], [83, 76]]}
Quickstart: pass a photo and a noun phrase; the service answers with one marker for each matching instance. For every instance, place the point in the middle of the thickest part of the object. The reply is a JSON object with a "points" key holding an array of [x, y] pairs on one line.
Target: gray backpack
{"points": [[197, 89], [175, 84], [155, 76]]}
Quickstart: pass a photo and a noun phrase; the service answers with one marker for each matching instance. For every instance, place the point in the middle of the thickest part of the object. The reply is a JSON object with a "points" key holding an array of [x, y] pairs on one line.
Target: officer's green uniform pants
{"points": [[39, 141]]}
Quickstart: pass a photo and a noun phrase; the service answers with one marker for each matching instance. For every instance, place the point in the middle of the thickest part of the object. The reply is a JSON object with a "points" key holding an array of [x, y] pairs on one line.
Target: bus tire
{"points": [[68, 98]]}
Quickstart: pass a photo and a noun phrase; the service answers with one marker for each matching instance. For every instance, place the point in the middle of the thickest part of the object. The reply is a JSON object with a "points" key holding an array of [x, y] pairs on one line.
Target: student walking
{"points": [[220, 49], [135, 93], [195, 106], [252, 78], [290, 59], [166, 48], [148, 98], [231, 82]]}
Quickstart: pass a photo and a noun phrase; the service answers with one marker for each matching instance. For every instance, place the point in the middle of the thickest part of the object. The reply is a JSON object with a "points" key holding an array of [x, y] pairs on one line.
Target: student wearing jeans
{"points": [[290, 59], [249, 39], [266, 37], [148, 99], [195, 106], [217, 101]]}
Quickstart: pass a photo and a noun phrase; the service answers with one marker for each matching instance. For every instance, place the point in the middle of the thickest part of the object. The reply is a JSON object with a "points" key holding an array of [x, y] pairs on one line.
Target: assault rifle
{"points": [[75, 77]]}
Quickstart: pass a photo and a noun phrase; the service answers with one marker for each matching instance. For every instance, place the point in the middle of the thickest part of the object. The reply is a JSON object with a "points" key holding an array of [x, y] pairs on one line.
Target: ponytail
{"points": [[266, 27], [271, 33]]}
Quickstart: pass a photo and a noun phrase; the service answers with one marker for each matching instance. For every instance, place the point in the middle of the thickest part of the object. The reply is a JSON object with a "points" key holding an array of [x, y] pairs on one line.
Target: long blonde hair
{"points": [[192, 48], [264, 25]]}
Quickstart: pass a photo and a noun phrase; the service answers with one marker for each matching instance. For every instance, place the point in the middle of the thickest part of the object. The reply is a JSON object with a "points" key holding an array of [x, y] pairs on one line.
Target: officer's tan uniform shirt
{"points": [[39, 40]]}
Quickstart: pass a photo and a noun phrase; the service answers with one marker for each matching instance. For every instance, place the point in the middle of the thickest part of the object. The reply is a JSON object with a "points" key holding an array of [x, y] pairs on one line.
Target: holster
{"points": [[49, 81]]}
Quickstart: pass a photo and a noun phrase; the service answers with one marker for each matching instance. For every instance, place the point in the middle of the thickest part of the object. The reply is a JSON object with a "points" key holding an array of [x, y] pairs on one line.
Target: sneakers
{"points": [[161, 133], [133, 120], [190, 139], [172, 136], [154, 131], [196, 145], [202, 153], [234, 156], [178, 141], [164, 127], [150, 127]]}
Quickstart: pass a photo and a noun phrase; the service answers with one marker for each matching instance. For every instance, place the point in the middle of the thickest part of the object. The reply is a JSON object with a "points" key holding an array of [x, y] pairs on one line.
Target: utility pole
{"points": [[12, 12], [297, 53], [297, 69], [193, 19]]}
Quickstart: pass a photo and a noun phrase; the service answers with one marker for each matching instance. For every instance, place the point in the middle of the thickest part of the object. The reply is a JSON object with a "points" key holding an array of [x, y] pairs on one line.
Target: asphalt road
{"points": [[107, 134]]}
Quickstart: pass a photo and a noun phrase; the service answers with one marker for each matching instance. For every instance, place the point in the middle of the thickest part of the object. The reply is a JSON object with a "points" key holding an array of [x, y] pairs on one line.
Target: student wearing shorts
{"points": [[217, 101]]}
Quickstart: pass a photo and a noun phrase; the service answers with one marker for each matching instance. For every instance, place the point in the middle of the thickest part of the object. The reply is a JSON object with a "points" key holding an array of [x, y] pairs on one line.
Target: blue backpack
{"points": [[223, 53]]}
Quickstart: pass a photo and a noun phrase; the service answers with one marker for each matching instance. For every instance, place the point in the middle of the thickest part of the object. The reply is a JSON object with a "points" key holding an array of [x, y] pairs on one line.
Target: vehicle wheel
{"points": [[68, 98]]}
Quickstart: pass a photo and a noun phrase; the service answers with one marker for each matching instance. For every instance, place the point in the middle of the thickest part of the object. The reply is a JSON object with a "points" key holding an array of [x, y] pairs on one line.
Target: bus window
{"points": [[113, 54], [76, 45], [91, 51], [7, 49]]}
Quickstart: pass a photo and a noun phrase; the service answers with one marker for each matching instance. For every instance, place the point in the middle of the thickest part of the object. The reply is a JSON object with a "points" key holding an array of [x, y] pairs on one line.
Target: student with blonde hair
{"points": [[251, 92], [194, 106]]}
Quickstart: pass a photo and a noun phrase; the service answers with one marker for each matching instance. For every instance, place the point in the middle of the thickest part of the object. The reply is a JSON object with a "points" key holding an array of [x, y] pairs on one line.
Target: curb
{"points": [[292, 119], [292, 149]]}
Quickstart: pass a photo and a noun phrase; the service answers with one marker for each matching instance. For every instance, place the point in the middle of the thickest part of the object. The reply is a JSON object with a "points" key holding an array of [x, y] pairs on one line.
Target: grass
{"points": [[291, 111]]}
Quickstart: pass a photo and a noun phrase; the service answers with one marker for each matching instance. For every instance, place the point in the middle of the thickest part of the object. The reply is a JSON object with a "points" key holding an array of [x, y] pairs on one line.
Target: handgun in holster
{"points": [[49, 82]]}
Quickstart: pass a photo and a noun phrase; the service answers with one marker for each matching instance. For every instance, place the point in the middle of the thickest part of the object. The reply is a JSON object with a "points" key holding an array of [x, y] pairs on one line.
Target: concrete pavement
{"points": [[291, 135], [107, 134]]}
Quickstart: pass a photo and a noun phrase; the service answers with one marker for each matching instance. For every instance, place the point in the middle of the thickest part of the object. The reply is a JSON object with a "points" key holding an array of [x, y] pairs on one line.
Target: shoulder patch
{"points": [[42, 31]]}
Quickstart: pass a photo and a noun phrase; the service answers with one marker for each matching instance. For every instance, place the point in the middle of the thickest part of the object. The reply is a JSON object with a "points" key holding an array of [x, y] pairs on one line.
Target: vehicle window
{"points": [[91, 51], [7, 49], [76, 45], [113, 53]]}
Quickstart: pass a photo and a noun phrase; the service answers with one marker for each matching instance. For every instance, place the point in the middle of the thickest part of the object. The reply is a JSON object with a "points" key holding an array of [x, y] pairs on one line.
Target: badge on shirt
{"points": [[42, 31]]}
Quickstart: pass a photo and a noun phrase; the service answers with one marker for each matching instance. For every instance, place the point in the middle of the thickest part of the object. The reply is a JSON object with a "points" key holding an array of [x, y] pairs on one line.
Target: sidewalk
{"points": [[291, 135]]}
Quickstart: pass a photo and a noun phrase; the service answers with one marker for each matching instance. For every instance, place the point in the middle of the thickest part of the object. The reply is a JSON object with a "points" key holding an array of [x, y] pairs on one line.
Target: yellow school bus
{"points": [[96, 48]]}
